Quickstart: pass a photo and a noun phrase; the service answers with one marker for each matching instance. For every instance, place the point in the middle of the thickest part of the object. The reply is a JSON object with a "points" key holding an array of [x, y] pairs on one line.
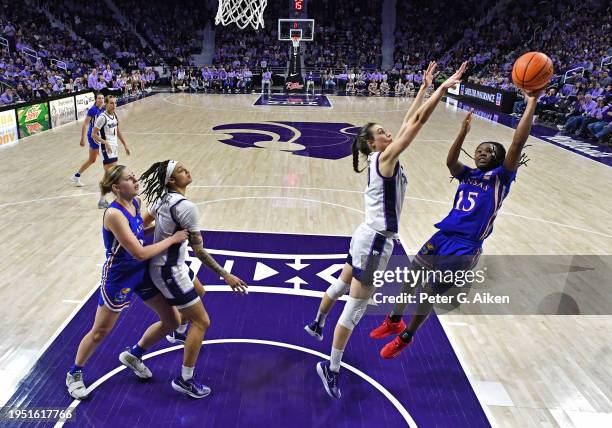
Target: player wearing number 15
{"points": [[458, 243]]}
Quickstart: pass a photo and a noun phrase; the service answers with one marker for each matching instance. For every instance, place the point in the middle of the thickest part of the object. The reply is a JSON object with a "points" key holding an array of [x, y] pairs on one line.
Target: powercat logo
{"points": [[322, 140]]}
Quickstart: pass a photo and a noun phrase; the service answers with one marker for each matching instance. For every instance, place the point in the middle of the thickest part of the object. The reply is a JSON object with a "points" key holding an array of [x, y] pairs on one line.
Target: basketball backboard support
{"points": [[290, 28]]}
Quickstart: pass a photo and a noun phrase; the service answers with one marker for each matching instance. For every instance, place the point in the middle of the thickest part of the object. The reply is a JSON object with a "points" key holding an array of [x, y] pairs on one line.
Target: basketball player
{"points": [[165, 184], [106, 132], [372, 241], [458, 243], [87, 128], [123, 273]]}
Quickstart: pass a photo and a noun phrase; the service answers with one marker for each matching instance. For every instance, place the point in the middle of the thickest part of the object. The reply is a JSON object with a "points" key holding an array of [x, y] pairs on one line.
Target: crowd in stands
{"points": [[94, 47], [347, 34], [178, 35]]}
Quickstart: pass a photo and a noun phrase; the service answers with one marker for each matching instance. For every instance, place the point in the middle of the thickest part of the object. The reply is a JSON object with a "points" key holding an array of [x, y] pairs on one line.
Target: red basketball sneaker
{"points": [[387, 328], [394, 348]]}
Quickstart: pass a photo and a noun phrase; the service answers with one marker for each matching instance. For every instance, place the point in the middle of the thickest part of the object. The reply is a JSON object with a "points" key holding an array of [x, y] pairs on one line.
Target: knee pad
{"points": [[338, 289], [352, 313]]}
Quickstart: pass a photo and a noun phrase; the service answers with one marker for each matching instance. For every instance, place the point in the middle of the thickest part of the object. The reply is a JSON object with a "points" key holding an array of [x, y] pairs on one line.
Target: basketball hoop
{"points": [[242, 12], [296, 41]]}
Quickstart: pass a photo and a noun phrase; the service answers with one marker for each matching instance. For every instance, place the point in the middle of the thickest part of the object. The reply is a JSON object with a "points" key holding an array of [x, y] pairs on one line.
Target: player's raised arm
{"points": [[411, 128], [452, 159], [513, 157], [428, 77]]}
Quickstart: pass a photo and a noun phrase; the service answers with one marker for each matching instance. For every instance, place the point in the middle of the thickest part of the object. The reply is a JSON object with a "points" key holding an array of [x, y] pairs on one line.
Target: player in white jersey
{"points": [[106, 132], [165, 184], [372, 242]]}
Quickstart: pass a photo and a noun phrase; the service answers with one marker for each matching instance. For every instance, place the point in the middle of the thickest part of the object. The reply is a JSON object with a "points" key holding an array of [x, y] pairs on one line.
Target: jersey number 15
{"points": [[471, 202]]}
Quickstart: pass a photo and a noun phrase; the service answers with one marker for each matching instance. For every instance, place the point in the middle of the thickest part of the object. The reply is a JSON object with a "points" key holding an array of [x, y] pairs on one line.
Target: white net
{"points": [[241, 12]]}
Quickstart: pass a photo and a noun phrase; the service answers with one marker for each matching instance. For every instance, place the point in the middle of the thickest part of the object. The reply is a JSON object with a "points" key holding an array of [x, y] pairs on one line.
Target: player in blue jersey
{"points": [[372, 242], [124, 273], [90, 119], [458, 243]]}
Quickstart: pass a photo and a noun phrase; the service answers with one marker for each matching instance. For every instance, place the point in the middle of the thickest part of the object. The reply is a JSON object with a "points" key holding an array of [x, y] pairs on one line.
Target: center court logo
{"points": [[323, 140]]}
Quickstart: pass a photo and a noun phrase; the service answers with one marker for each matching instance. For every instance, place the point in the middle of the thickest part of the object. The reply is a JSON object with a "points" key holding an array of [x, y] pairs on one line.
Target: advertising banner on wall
{"points": [[83, 102], [62, 111], [33, 119], [8, 128]]}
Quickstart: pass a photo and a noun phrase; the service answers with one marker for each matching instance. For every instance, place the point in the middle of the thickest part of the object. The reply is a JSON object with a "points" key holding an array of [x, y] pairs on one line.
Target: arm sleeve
{"points": [[187, 216]]}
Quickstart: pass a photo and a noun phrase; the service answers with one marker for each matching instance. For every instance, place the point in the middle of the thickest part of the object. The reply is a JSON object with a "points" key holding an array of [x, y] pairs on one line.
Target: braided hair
{"points": [[154, 181], [499, 155], [361, 146]]}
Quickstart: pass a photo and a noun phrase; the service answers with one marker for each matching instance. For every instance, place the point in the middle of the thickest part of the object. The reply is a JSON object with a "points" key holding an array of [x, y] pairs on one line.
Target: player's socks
{"points": [[394, 348], [335, 359], [77, 174], [186, 372], [137, 351], [395, 318], [406, 336], [75, 369], [182, 328]]}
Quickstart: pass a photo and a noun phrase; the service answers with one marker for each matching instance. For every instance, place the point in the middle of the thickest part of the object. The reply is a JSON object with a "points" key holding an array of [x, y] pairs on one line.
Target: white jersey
{"points": [[173, 212], [384, 197], [107, 125]]}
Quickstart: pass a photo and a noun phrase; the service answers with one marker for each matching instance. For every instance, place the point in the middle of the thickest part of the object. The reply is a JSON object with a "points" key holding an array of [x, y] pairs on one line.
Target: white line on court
{"points": [[401, 409], [502, 213]]}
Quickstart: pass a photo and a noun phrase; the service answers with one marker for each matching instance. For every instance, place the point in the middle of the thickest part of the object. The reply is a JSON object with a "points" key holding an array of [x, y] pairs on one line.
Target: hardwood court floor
{"points": [[556, 370]]}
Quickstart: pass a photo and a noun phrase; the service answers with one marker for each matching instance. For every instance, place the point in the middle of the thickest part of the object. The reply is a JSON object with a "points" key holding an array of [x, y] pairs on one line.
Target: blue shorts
{"points": [[92, 144], [118, 286], [445, 252]]}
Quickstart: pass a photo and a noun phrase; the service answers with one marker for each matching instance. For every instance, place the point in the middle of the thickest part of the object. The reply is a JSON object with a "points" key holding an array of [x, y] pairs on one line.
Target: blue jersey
{"points": [[117, 258], [93, 113], [478, 199]]}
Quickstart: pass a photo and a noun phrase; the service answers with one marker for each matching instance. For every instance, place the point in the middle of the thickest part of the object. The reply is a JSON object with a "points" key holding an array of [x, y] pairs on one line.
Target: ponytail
{"points": [[111, 177], [361, 146]]}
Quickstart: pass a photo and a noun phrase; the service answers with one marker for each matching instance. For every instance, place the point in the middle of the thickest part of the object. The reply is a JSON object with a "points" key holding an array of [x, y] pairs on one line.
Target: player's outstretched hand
{"points": [[467, 122], [180, 236], [429, 74], [236, 283], [455, 78], [533, 94]]}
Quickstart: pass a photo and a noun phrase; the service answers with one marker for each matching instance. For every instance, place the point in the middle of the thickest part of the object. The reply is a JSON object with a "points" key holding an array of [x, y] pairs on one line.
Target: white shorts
{"points": [[109, 157], [175, 283], [369, 252]]}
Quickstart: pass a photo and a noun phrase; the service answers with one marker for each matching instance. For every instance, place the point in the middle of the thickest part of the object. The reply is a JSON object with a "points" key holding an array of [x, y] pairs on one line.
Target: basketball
{"points": [[532, 71]]}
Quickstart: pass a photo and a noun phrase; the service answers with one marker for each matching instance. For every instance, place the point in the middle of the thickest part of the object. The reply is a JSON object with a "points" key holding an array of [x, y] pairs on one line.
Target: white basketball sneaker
{"points": [[76, 181]]}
